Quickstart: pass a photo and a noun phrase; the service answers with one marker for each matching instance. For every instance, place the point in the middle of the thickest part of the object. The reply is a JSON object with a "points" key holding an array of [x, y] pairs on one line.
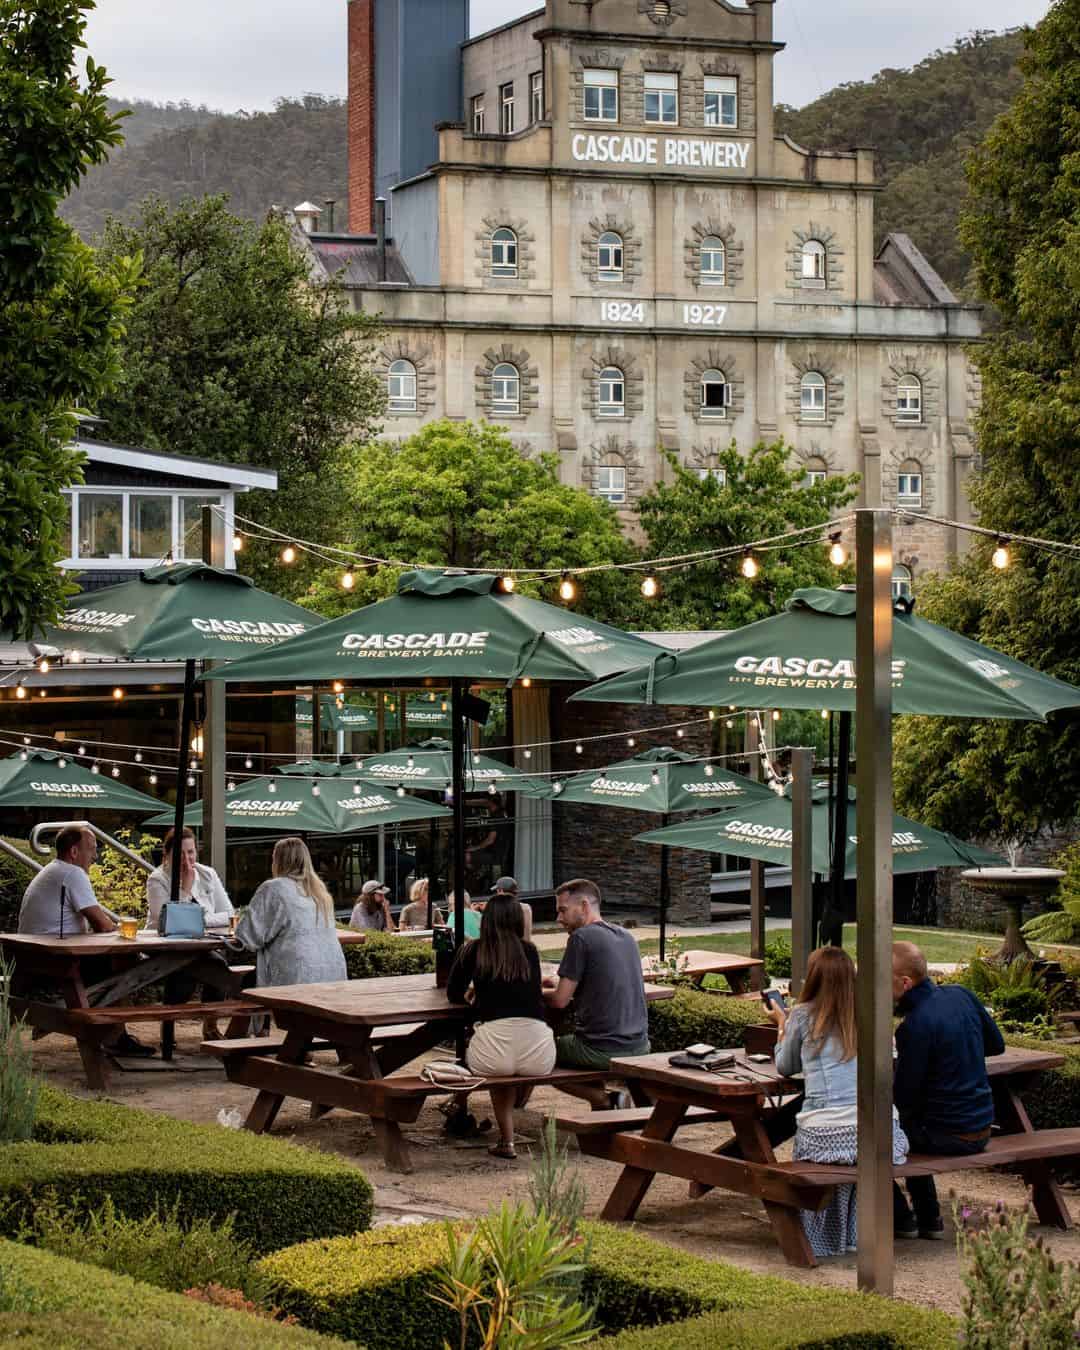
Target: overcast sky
{"points": [[234, 54]]}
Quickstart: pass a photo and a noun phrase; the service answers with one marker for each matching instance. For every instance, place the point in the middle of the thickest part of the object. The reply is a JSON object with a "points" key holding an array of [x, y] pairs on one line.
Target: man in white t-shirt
{"points": [[60, 902]]}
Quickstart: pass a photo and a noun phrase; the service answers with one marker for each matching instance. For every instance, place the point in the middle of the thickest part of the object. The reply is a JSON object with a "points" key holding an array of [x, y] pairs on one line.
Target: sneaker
{"points": [[127, 1047], [906, 1228], [934, 1231]]}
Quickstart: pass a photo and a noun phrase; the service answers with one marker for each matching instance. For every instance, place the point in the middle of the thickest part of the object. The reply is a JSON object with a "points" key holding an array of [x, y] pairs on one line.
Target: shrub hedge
{"points": [[385, 954], [872, 1324], [375, 1286], [691, 1017], [50, 1303], [84, 1151]]}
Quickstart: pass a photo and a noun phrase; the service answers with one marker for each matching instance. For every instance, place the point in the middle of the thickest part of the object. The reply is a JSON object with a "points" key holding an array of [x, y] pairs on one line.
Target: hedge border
{"points": [[84, 1150], [376, 1286], [71, 1306]]}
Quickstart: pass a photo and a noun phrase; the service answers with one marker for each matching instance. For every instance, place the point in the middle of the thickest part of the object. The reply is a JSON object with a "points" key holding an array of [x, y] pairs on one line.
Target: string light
{"points": [[116, 771], [23, 755], [1000, 556], [650, 587], [348, 580], [338, 687], [410, 763], [749, 566], [358, 765], [709, 770], [247, 762], [41, 693], [507, 583], [680, 733], [43, 666], [26, 740], [526, 682], [567, 589], [75, 657], [491, 789], [654, 776], [837, 553], [631, 742], [153, 780], [61, 763], [191, 780], [579, 749], [776, 715], [528, 754], [824, 714], [315, 790], [357, 789], [231, 785], [82, 751], [20, 692], [138, 755], [729, 723], [288, 554], [401, 789], [271, 786], [118, 693], [238, 543], [556, 786]]}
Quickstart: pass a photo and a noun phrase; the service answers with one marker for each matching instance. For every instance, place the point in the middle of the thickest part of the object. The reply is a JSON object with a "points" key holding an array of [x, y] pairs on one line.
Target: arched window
{"points": [[504, 253], [715, 394], [814, 264], [909, 399], [713, 261], [609, 256], [505, 389], [612, 393], [909, 484], [401, 386], [816, 471], [812, 397], [901, 582]]}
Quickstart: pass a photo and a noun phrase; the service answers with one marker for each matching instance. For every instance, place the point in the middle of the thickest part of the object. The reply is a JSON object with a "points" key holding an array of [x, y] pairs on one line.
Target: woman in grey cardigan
{"points": [[289, 924]]}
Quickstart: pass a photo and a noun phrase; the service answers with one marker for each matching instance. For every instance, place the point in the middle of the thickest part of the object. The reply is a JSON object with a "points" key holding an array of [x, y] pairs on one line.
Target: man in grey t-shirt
{"points": [[601, 972]]}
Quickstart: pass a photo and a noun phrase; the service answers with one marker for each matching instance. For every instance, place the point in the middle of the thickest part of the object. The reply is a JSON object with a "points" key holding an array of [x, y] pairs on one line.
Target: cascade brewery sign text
{"points": [[675, 152]]}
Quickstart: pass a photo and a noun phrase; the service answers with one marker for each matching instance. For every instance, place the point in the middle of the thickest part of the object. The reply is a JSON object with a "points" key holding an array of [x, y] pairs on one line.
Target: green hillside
{"points": [[921, 122]]}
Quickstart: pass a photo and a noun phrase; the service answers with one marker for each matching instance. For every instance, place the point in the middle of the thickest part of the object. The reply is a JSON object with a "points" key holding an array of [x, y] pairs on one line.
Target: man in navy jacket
{"points": [[940, 1088]]}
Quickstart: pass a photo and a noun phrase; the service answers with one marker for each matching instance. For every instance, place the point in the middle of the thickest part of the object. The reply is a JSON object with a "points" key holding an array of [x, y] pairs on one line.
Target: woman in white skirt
{"points": [[818, 1040], [512, 1035]]}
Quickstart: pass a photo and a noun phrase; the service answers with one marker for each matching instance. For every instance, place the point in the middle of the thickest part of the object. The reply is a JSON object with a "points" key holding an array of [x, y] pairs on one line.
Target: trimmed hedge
{"points": [[86, 1150], [57, 1304], [377, 1285], [691, 1017], [385, 954], [873, 1324]]}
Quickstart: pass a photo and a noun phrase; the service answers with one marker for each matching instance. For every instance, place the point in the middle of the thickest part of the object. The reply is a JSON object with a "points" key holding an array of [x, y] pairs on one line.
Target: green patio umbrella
{"points": [[434, 715], [178, 612], [452, 629], [763, 830], [336, 714], [330, 806], [46, 779], [428, 767], [666, 781], [805, 658]]}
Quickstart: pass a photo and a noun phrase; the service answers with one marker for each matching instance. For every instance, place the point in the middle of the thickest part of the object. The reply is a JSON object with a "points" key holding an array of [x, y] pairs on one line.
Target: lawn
{"points": [[938, 944]]}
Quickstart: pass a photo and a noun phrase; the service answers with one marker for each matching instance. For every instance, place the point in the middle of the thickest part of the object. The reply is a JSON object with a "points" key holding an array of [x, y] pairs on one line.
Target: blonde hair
{"points": [[451, 899], [418, 890], [292, 860]]}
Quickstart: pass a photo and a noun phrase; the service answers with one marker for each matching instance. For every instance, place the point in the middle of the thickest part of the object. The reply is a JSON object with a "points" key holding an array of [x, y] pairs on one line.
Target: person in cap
{"points": [[372, 908], [508, 886]]}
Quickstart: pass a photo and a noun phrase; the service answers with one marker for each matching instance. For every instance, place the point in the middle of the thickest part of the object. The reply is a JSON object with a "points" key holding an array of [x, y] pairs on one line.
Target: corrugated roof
{"points": [[902, 275], [356, 259]]}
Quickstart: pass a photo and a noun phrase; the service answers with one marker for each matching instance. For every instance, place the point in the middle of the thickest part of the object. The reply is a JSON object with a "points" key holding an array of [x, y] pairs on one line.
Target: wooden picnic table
{"points": [[50, 992], [376, 1026], [760, 1105], [695, 965]]}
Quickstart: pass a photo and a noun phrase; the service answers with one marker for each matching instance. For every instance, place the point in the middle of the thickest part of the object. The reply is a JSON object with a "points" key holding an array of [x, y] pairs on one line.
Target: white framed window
{"points": [[536, 96], [601, 95], [717, 475], [611, 483], [150, 525], [813, 402], [909, 399], [721, 101], [401, 386], [661, 97], [505, 389], [814, 264], [609, 256], [612, 393], [713, 268], [901, 582], [109, 527], [816, 472], [478, 114], [504, 253], [506, 108], [101, 525], [909, 486], [715, 394]]}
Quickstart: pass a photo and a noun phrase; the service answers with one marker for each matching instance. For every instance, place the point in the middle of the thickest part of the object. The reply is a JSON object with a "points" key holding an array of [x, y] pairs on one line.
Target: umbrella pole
{"points": [[186, 717], [664, 888], [832, 920], [433, 838], [457, 786]]}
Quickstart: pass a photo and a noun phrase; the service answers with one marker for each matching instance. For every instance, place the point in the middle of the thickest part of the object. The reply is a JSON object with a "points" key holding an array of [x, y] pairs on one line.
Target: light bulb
{"points": [[315, 789], [709, 770], [26, 740], [288, 554], [23, 754], [729, 723], [153, 780], [508, 583], [271, 787], [712, 714], [631, 742], [338, 687], [238, 543], [556, 787], [247, 762], [118, 693], [82, 751], [231, 785], [837, 553], [431, 697], [357, 789], [655, 777], [650, 588], [95, 768], [1000, 556], [191, 780], [138, 755], [776, 715], [410, 763], [401, 789], [61, 763], [579, 748], [443, 705], [44, 666], [824, 714], [567, 589], [41, 693], [348, 580], [528, 754], [75, 657], [680, 733], [526, 682], [749, 566], [359, 765], [20, 692], [491, 789], [116, 771]]}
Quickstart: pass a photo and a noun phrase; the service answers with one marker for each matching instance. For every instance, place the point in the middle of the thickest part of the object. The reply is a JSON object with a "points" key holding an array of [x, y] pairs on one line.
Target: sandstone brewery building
{"points": [[583, 226]]}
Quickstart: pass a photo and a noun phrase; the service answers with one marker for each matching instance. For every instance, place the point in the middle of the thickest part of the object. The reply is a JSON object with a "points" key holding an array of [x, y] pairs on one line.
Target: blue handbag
{"points": [[183, 919]]}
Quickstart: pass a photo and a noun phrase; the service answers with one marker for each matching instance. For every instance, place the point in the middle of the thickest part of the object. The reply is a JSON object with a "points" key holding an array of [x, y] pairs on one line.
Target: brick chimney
{"points": [[361, 38]]}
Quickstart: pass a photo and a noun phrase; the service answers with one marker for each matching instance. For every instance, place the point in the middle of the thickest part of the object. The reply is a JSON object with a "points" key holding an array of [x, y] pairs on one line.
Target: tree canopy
{"points": [[1023, 228], [233, 352], [60, 309]]}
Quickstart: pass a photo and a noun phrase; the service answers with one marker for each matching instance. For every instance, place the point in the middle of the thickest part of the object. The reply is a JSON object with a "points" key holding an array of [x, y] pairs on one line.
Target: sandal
{"points": [[501, 1150]]}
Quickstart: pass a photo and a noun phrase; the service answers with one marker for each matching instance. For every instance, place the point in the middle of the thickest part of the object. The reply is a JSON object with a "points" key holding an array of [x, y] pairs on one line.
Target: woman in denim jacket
{"points": [[818, 1040]]}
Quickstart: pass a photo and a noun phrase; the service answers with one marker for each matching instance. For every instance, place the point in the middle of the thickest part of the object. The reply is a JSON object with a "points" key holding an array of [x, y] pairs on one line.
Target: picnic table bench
{"points": [[695, 965], [760, 1105], [376, 1027]]}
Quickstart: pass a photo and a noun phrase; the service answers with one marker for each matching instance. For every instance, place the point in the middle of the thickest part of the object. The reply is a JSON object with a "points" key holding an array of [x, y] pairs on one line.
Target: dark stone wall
{"points": [[960, 906]]}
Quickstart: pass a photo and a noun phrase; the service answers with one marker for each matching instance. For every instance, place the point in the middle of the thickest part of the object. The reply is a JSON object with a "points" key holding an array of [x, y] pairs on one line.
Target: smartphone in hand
{"points": [[775, 998]]}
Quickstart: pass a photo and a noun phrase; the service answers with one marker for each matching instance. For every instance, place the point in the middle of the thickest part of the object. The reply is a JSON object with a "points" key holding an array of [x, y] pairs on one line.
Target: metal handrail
{"points": [[52, 826], [19, 855]]}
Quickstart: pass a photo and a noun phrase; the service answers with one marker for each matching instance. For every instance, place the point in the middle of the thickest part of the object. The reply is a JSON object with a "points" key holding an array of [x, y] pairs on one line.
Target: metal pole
{"points": [[433, 843], [873, 709], [757, 868], [832, 920], [214, 728], [186, 715], [665, 887], [802, 877], [380, 746], [457, 786]]}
